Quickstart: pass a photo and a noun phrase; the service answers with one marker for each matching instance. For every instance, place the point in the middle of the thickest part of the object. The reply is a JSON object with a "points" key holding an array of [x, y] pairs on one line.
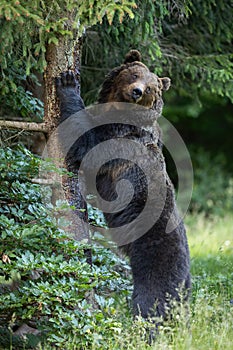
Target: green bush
{"points": [[15, 98], [46, 282]]}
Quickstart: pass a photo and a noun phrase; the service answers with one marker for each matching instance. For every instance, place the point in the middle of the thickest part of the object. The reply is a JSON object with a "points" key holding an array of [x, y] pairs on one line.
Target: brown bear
{"points": [[159, 258], [133, 83]]}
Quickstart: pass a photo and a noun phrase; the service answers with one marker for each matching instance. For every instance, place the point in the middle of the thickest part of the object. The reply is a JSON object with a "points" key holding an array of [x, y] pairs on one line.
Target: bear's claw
{"points": [[66, 79], [66, 82]]}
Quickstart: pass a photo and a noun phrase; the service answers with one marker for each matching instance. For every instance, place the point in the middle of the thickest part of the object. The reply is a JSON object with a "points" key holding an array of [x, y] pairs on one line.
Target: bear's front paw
{"points": [[65, 83]]}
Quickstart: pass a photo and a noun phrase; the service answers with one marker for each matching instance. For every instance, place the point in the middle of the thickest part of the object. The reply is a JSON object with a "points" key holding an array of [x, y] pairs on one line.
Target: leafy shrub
{"points": [[46, 282], [15, 99]]}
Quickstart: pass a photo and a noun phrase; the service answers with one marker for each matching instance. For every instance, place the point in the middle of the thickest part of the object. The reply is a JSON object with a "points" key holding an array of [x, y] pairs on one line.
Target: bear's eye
{"points": [[148, 90]]}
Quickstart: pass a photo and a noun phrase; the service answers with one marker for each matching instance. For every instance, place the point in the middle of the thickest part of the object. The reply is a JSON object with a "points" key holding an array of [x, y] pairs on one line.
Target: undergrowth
{"points": [[46, 283]]}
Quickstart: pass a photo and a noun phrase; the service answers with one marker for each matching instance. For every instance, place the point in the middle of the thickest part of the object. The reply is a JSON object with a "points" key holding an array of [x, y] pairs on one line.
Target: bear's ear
{"points": [[166, 82], [132, 56]]}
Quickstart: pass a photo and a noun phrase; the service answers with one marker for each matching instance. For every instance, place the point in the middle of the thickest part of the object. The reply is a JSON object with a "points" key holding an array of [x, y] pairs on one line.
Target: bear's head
{"points": [[133, 82]]}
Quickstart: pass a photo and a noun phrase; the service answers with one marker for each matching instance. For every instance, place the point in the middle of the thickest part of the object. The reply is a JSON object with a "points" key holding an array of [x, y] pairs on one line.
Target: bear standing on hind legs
{"points": [[159, 258]]}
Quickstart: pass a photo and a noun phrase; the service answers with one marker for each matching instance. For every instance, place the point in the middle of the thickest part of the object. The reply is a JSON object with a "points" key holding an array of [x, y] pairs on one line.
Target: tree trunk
{"points": [[62, 57]]}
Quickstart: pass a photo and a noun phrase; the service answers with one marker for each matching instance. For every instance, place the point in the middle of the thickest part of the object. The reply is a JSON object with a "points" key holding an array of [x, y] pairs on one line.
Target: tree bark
{"points": [[62, 57]]}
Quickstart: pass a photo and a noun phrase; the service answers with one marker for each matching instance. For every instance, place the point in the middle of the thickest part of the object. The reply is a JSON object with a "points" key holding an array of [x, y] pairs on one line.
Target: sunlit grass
{"points": [[211, 309], [211, 322], [209, 236]]}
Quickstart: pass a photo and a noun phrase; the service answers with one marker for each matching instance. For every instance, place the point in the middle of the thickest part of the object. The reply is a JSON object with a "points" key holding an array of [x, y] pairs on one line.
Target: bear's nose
{"points": [[137, 93]]}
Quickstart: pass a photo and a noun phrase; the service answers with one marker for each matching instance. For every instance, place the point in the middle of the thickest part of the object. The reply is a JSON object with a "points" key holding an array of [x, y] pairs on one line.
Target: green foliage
{"points": [[205, 40], [45, 277], [213, 185], [47, 284], [21, 103], [105, 45], [190, 41], [14, 97], [27, 27]]}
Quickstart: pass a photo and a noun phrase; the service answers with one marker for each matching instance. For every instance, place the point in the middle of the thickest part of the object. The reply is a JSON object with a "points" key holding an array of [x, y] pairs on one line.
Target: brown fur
{"points": [[123, 81], [159, 259]]}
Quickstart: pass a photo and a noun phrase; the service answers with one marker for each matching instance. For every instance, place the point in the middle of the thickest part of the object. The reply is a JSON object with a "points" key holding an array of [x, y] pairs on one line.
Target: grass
{"points": [[211, 309]]}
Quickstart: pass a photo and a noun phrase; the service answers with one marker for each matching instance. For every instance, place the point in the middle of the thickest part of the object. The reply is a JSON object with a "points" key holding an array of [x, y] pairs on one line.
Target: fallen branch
{"points": [[28, 126], [42, 181]]}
